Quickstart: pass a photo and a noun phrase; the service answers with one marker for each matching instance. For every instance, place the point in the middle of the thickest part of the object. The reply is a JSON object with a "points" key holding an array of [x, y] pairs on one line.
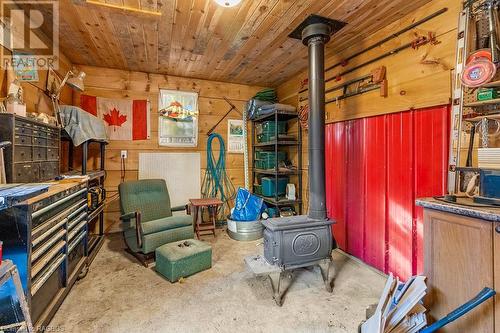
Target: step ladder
{"points": [[9, 271], [457, 99]]}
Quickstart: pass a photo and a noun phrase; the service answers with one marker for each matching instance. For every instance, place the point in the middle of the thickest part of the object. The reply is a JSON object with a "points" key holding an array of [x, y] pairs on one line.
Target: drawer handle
{"points": [[43, 261], [36, 285], [497, 228], [60, 202]]}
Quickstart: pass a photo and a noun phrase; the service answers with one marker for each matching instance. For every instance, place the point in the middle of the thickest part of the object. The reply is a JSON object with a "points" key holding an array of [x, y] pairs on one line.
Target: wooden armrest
{"points": [[128, 216], [138, 229]]}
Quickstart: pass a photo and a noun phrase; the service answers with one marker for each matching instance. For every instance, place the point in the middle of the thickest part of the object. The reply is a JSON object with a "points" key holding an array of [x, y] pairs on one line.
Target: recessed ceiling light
{"points": [[228, 3]]}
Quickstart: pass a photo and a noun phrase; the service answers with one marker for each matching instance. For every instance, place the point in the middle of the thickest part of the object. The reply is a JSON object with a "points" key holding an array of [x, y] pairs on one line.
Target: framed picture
{"points": [[235, 138], [178, 118], [53, 81], [24, 67]]}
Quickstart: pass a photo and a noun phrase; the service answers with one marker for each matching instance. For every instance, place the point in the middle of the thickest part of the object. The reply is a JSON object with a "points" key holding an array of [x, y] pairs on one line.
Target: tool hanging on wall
{"points": [[345, 61], [232, 107], [375, 80], [480, 66], [419, 40], [304, 116], [479, 69], [492, 27]]}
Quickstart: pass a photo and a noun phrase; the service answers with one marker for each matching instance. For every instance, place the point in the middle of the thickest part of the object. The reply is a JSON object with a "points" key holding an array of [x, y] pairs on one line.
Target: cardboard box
{"points": [[18, 109]]}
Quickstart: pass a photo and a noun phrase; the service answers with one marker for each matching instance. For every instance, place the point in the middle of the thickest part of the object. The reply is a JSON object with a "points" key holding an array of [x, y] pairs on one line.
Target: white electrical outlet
{"points": [[123, 154]]}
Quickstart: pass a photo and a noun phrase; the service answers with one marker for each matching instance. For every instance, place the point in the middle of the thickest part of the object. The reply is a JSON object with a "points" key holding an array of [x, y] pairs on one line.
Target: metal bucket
{"points": [[244, 231]]}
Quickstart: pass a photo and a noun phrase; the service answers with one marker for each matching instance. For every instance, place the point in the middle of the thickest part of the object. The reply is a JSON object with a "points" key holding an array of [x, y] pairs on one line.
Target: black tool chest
{"points": [[34, 154], [46, 237]]}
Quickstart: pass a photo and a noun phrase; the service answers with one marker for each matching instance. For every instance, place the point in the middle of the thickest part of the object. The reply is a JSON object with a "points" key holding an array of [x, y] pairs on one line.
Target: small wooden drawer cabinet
{"points": [[34, 154]]}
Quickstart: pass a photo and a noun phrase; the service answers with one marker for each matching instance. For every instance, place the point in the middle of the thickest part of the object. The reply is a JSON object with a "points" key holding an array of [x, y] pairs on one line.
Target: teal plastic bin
{"points": [[264, 155], [267, 159], [257, 189], [268, 186], [269, 127]]}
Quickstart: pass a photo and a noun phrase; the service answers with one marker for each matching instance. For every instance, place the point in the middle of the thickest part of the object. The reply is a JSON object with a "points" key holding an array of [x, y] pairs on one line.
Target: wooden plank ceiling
{"points": [[197, 38]]}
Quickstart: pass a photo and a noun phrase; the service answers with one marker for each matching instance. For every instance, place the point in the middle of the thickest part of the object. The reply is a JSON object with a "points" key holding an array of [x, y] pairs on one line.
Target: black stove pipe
{"points": [[315, 36]]}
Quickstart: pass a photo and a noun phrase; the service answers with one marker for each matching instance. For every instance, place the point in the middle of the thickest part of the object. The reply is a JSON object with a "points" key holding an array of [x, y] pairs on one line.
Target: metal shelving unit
{"points": [[464, 102], [96, 178], [276, 145]]}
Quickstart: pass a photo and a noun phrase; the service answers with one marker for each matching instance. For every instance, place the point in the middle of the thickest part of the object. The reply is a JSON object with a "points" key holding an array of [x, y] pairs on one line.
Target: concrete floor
{"points": [[120, 295]]}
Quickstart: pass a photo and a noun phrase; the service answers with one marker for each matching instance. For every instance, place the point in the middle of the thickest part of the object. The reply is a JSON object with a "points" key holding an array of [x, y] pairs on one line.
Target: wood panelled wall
{"points": [[34, 92], [35, 98], [417, 78], [112, 83]]}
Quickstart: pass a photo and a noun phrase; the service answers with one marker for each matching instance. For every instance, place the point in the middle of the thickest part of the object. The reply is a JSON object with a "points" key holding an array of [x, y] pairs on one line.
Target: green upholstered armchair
{"points": [[147, 217]]}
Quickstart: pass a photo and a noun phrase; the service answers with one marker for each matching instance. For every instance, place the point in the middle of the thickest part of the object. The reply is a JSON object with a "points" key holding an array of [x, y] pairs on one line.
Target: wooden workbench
{"points": [[462, 256], [55, 187]]}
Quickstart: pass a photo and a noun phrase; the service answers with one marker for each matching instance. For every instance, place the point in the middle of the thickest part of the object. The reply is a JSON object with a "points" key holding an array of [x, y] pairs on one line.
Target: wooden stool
{"points": [[200, 227]]}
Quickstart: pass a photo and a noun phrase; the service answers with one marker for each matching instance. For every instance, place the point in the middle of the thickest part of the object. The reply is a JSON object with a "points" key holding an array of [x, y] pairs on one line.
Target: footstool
{"points": [[183, 258]]}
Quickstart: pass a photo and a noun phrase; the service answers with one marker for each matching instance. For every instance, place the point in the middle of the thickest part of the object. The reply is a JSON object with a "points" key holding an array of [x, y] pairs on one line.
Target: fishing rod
{"points": [[377, 44]]}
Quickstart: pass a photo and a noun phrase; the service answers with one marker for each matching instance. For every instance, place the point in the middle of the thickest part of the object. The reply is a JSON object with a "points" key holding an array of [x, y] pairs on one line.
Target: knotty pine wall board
{"points": [[411, 84], [112, 83], [34, 96]]}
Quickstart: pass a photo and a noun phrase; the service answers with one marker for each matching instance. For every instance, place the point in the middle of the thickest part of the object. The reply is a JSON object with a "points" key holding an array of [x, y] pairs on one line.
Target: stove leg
{"points": [[276, 283], [328, 273]]}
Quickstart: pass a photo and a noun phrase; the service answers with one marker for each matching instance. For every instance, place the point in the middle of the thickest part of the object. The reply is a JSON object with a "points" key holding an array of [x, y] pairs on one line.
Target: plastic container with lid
{"points": [[269, 188]]}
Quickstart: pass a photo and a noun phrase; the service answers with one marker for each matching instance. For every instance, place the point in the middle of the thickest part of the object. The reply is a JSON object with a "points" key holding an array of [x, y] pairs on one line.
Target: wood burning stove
{"points": [[295, 241], [305, 240]]}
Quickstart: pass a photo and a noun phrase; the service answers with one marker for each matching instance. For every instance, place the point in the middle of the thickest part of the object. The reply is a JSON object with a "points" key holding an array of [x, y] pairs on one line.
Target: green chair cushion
{"points": [[152, 241], [183, 258], [166, 223]]}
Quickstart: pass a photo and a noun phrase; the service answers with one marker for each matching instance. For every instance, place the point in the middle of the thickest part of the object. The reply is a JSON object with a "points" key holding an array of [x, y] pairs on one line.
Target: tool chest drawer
{"points": [[23, 128], [52, 154], [67, 204], [49, 170], [31, 172], [23, 140], [53, 143], [39, 141], [32, 142], [23, 153], [39, 153], [46, 237], [53, 135], [25, 172]]}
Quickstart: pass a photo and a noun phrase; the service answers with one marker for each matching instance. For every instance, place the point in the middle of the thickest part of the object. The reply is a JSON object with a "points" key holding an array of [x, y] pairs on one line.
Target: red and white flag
{"points": [[125, 119]]}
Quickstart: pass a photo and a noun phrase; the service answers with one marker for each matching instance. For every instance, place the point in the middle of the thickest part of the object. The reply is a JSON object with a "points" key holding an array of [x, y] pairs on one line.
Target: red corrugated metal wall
{"points": [[376, 167]]}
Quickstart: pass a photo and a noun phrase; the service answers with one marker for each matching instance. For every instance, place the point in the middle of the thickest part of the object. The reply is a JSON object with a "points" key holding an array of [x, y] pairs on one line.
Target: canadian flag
{"points": [[125, 119]]}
